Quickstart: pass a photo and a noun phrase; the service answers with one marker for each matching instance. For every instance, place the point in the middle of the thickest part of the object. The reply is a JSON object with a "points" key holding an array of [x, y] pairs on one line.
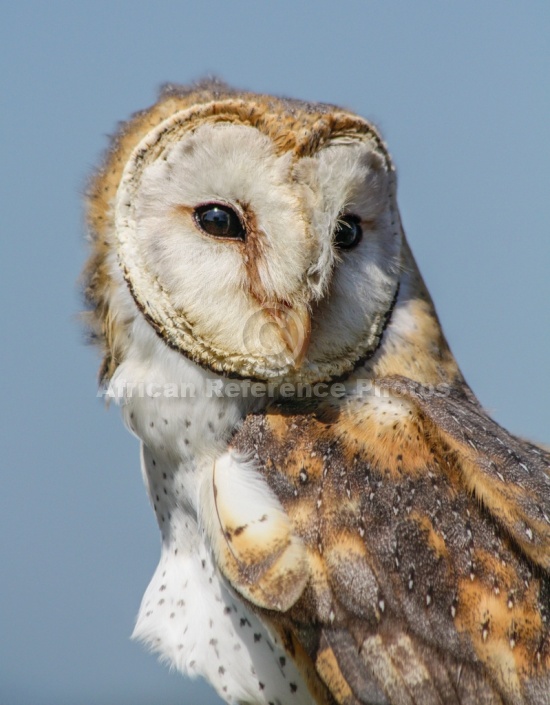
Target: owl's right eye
{"points": [[219, 221]]}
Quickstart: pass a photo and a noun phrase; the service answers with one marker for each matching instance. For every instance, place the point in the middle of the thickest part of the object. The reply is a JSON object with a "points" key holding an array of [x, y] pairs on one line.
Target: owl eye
{"points": [[348, 232], [219, 221]]}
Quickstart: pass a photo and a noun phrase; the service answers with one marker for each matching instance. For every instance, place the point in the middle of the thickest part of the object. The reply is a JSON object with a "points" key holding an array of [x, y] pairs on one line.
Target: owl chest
{"points": [[188, 614]]}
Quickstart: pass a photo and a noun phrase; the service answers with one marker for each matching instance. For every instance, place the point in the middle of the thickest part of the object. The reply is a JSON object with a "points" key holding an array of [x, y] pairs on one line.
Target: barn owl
{"points": [[341, 521]]}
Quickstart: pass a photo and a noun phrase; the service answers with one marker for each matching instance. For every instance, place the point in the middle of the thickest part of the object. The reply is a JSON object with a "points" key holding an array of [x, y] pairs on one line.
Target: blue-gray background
{"points": [[461, 93]]}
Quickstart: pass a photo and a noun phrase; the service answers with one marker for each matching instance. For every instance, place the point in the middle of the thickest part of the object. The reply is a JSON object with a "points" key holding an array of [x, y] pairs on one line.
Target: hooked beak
{"points": [[294, 327]]}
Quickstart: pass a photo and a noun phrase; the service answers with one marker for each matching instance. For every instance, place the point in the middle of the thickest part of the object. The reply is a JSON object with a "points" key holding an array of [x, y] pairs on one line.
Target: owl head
{"points": [[258, 237]]}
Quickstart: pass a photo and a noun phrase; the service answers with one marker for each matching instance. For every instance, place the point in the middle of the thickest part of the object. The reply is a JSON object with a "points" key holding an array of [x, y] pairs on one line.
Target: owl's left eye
{"points": [[348, 232], [219, 221]]}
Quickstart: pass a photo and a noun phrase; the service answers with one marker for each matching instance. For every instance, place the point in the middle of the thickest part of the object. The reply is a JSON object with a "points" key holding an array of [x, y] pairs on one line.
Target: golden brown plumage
{"points": [[427, 535]]}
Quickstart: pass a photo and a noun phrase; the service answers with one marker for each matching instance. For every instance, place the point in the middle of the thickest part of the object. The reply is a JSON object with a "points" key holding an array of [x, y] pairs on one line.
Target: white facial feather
{"points": [[203, 292], [229, 164], [351, 178]]}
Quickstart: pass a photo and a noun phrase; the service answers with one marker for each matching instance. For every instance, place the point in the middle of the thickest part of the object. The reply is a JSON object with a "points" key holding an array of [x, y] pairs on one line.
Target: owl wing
{"points": [[509, 476], [425, 537]]}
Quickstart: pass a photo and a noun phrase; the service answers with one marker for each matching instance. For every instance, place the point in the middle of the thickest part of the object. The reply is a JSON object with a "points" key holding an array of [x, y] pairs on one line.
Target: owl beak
{"points": [[294, 326]]}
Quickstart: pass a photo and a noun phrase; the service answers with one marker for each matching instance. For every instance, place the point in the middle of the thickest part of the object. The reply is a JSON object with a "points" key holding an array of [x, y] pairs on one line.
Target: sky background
{"points": [[461, 92]]}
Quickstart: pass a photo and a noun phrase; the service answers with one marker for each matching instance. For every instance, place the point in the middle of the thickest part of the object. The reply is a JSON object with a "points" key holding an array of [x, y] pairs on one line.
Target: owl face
{"points": [[257, 249]]}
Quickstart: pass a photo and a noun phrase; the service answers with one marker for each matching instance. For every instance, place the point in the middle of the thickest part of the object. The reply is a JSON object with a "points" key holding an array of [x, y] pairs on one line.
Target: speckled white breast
{"points": [[188, 615], [192, 620]]}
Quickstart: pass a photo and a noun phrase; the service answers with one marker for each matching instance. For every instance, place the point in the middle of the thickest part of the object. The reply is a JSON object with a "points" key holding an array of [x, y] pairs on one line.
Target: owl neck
{"points": [[183, 415], [413, 344]]}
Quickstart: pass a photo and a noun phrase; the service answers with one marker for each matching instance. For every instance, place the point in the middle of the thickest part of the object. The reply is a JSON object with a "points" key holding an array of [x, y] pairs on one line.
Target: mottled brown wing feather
{"points": [[509, 475], [348, 675], [427, 545]]}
